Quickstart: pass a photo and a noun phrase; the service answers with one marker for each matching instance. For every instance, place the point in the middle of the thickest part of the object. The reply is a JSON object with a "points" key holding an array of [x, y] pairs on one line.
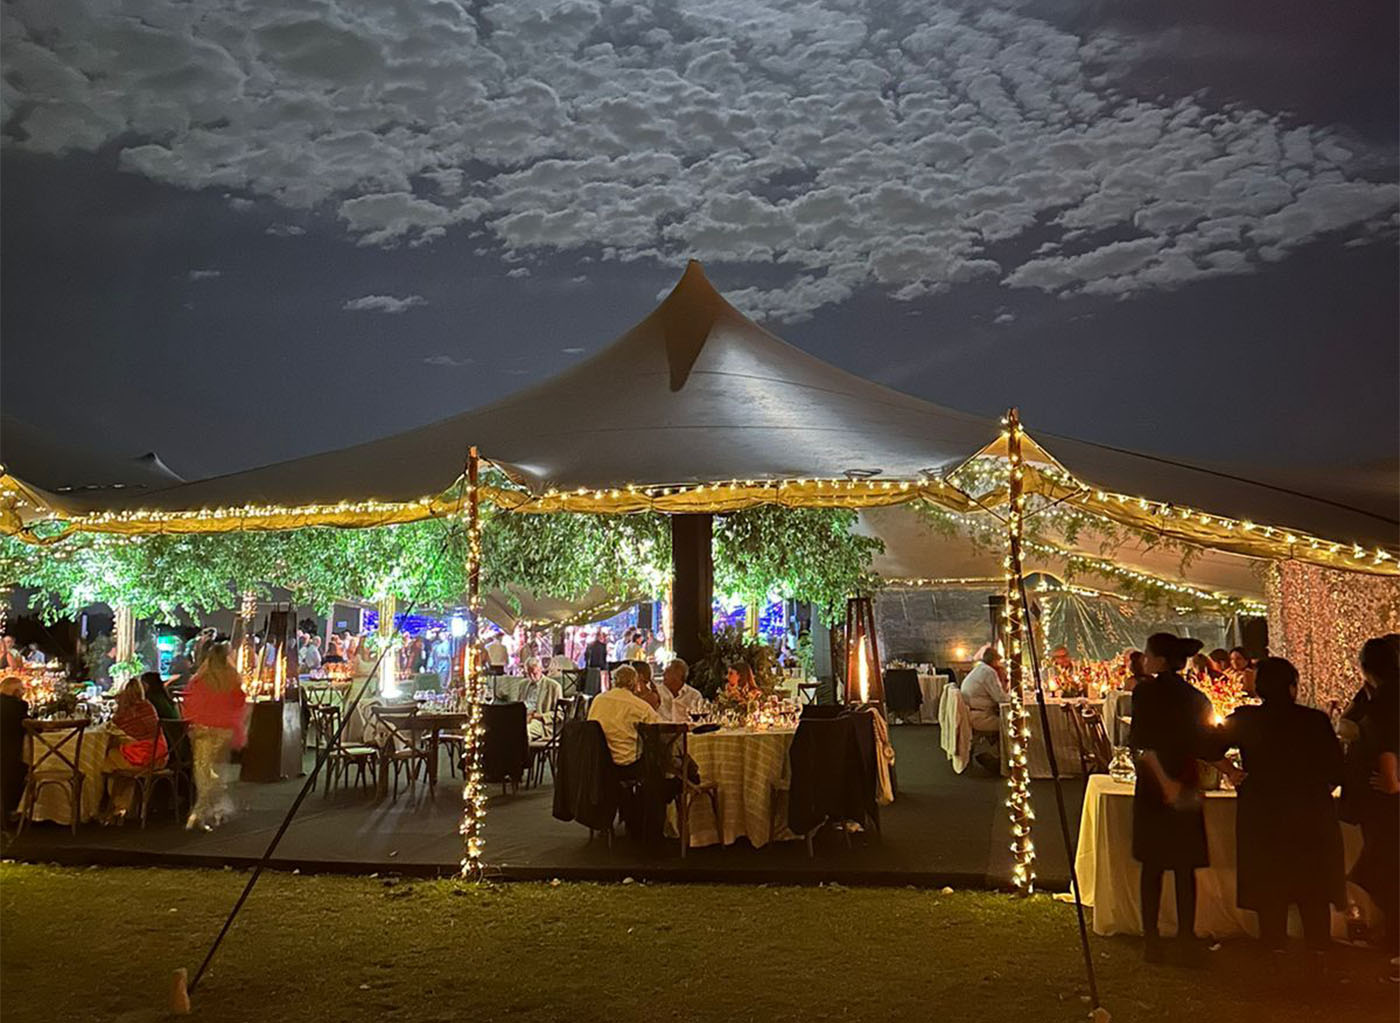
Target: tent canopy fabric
{"points": [[697, 408], [695, 393], [915, 553]]}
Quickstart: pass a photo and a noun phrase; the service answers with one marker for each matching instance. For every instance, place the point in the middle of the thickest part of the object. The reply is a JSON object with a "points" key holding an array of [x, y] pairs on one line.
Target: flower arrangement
{"points": [[1092, 679], [1225, 691]]}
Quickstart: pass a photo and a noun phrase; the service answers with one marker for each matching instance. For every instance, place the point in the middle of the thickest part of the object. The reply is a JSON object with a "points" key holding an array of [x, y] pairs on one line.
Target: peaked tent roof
{"points": [[697, 394]]}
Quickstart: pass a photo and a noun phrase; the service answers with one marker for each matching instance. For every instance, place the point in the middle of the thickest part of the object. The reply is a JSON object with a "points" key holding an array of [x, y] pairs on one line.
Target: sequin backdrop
{"points": [[1318, 619]]}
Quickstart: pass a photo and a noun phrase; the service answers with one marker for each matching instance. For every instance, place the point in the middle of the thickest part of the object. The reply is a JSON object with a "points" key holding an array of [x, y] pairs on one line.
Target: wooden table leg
{"points": [[433, 740]]}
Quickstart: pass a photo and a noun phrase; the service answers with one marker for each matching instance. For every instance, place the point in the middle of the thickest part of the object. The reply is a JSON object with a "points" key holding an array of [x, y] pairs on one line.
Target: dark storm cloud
{"points": [[410, 208]]}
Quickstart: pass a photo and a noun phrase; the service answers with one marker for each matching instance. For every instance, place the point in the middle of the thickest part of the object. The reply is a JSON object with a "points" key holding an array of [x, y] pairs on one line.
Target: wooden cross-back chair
{"points": [[52, 762], [402, 745], [1090, 735], [670, 744]]}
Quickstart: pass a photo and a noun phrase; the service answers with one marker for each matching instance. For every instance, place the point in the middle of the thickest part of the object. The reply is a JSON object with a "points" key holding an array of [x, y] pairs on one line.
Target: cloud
{"points": [[285, 230], [446, 360], [848, 146], [383, 304], [204, 275]]}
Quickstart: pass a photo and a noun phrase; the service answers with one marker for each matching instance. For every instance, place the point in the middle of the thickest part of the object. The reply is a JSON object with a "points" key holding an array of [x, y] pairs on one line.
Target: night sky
{"points": [[236, 232]]}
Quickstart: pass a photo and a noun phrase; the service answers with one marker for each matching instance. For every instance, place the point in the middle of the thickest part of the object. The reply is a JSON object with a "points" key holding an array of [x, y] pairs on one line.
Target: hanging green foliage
{"points": [[810, 554], [804, 554], [566, 555]]}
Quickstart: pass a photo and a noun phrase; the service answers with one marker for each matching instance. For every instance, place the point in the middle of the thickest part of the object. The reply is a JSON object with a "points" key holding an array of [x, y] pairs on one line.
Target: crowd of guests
{"points": [[201, 707], [1289, 845], [1291, 759]]}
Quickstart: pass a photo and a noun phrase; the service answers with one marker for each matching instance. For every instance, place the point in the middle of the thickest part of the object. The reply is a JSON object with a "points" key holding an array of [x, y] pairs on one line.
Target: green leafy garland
{"points": [[1053, 524]]}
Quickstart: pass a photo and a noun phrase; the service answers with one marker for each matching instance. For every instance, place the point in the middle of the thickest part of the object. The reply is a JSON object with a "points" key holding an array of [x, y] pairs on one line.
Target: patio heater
{"points": [[274, 747], [864, 683]]}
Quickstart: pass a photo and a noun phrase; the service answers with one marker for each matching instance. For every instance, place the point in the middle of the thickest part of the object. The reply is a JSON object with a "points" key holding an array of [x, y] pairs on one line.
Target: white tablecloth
{"points": [[53, 802], [1062, 732], [746, 765], [955, 728], [930, 693], [1109, 876]]}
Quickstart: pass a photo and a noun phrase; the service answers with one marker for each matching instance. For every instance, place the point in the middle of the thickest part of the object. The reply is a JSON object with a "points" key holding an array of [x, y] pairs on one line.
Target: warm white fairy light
{"points": [[1050, 479], [473, 782], [1018, 800], [1102, 566]]}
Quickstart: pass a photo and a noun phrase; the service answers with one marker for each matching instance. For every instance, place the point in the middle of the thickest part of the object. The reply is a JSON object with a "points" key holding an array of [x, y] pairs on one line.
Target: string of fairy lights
{"points": [[1018, 801], [1103, 566], [474, 735], [1051, 480]]}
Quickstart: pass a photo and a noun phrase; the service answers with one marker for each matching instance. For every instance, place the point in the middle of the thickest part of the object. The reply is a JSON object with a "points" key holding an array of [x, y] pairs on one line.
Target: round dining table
{"points": [[751, 769]]}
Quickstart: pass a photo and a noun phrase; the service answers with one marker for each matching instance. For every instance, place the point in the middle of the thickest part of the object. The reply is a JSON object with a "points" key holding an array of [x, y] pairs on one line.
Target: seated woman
{"points": [[141, 743], [158, 697], [739, 680], [1290, 846]]}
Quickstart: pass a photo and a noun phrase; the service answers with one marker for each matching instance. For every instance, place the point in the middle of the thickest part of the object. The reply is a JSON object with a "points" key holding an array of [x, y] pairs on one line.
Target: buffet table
{"points": [[748, 765], [1109, 876]]}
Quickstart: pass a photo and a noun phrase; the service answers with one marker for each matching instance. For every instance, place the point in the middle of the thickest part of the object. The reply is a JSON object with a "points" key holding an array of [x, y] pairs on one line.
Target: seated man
{"points": [[678, 700], [985, 693], [619, 710], [539, 694]]}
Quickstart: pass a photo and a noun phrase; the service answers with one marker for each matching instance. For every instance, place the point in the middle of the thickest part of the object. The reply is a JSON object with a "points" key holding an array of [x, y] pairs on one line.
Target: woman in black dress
{"points": [[1171, 729], [1372, 792], [1289, 844]]}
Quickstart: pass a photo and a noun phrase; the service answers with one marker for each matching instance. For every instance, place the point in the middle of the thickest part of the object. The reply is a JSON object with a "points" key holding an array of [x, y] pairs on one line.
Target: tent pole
{"points": [[1018, 801], [473, 789], [1018, 610]]}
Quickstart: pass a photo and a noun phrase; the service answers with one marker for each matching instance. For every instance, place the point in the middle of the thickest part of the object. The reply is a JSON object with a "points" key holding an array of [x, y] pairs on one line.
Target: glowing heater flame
{"points": [[864, 672]]}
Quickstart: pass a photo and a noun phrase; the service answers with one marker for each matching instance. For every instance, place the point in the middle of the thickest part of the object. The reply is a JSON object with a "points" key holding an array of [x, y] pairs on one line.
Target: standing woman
{"points": [[1373, 785], [1290, 846], [1171, 728], [214, 707], [364, 661]]}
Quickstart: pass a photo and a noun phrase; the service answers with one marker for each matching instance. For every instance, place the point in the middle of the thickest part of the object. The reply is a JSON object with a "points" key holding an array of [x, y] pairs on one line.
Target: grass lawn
{"points": [[100, 944]]}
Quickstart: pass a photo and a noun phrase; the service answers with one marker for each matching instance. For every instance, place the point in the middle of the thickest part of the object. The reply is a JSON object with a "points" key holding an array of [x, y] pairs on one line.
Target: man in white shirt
{"points": [[310, 654], [678, 700], [984, 692], [620, 710]]}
